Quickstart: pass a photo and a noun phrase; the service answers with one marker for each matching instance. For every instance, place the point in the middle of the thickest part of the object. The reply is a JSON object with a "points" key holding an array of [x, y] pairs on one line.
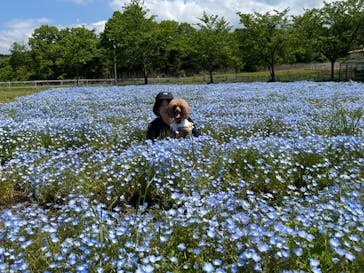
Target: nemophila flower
{"points": [[26, 244], [314, 262], [208, 267], [349, 256], [197, 251], [145, 269], [217, 262], [263, 247], [334, 242], [305, 235], [239, 186], [82, 268], [258, 267], [173, 259], [181, 247], [297, 251]]}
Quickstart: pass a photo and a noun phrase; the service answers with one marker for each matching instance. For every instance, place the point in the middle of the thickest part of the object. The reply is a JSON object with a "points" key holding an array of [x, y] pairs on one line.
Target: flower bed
{"points": [[273, 184]]}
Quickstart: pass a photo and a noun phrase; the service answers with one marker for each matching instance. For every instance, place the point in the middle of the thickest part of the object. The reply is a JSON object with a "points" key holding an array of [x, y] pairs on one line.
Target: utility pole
{"points": [[115, 69]]}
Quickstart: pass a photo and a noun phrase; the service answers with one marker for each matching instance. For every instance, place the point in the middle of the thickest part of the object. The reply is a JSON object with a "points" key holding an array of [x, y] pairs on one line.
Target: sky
{"points": [[19, 18]]}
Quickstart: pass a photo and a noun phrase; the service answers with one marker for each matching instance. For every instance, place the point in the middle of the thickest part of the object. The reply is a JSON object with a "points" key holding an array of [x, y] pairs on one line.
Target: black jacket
{"points": [[157, 129]]}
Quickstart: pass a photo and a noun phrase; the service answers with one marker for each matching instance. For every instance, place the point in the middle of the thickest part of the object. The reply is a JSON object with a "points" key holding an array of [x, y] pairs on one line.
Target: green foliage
{"points": [[131, 35], [6, 191], [212, 42], [134, 44], [331, 30], [265, 36], [344, 122], [6, 72]]}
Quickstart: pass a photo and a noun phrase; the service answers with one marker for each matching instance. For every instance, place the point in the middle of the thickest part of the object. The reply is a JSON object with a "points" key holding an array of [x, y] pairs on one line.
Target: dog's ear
{"points": [[186, 111]]}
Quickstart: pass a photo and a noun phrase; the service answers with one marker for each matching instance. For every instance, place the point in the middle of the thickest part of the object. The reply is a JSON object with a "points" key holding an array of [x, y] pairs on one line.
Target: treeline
{"points": [[133, 44]]}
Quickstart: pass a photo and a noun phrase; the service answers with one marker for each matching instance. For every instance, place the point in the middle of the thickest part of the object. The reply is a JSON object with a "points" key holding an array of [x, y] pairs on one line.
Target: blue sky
{"points": [[60, 12], [19, 18]]}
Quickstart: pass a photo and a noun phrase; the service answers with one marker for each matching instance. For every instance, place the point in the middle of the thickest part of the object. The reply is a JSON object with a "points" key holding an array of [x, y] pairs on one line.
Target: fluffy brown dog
{"points": [[180, 111]]}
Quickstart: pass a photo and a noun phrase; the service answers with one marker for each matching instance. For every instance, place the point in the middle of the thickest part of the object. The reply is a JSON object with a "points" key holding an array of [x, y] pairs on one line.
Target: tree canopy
{"points": [[134, 44], [265, 36]]}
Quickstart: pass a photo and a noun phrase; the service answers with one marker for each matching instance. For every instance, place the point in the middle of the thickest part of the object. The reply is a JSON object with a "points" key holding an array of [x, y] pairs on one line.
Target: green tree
{"points": [[174, 47], [6, 71], [131, 34], [79, 47], [333, 29], [213, 42], [46, 51], [112, 43], [21, 62], [304, 35], [265, 36]]}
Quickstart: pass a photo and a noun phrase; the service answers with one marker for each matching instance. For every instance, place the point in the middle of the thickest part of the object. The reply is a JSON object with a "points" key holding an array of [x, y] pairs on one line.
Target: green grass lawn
{"points": [[9, 95]]}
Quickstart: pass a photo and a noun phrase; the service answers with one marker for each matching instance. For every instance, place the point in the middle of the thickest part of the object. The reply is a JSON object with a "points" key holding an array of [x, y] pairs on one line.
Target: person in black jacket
{"points": [[160, 127]]}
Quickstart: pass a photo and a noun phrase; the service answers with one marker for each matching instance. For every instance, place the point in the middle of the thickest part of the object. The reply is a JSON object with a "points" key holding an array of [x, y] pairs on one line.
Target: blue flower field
{"points": [[275, 182]]}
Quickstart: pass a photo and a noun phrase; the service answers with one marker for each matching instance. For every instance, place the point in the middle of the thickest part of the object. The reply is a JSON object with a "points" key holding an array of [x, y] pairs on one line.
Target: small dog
{"points": [[180, 111]]}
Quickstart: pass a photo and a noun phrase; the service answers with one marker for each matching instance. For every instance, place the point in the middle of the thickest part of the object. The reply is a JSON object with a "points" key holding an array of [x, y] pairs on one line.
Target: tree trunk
{"points": [[332, 70], [272, 72], [211, 77], [115, 69], [145, 75]]}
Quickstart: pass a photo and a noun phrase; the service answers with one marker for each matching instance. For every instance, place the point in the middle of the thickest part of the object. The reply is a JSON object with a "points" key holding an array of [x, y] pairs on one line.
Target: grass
{"points": [[262, 76], [274, 184], [9, 95]]}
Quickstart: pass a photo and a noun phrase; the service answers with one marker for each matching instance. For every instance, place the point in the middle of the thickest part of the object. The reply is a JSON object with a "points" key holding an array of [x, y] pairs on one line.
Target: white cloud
{"points": [[98, 27], [177, 10], [190, 10], [19, 31]]}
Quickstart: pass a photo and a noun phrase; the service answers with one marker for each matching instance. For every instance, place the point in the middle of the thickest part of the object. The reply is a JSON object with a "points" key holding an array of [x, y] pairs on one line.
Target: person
{"points": [[159, 128]]}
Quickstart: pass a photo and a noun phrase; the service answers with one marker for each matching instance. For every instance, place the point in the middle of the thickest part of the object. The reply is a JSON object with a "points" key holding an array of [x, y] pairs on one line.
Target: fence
{"points": [[314, 75], [54, 83]]}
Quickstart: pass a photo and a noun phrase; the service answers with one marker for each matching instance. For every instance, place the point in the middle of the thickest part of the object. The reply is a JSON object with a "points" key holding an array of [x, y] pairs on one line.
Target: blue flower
{"points": [[263, 247], [334, 242], [148, 268], [208, 267], [217, 262], [314, 262], [181, 247], [298, 251]]}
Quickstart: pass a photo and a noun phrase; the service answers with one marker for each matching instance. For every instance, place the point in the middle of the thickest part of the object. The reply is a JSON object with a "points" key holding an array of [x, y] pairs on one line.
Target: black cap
{"points": [[164, 96], [159, 98]]}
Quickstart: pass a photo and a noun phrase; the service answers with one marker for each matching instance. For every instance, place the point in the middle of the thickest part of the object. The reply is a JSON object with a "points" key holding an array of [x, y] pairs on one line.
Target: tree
{"points": [[174, 47], [20, 62], [213, 42], [338, 29], [359, 42], [304, 35], [6, 71], [79, 47], [333, 29], [111, 41], [45, 51], [131, 34], [266, 37]]}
